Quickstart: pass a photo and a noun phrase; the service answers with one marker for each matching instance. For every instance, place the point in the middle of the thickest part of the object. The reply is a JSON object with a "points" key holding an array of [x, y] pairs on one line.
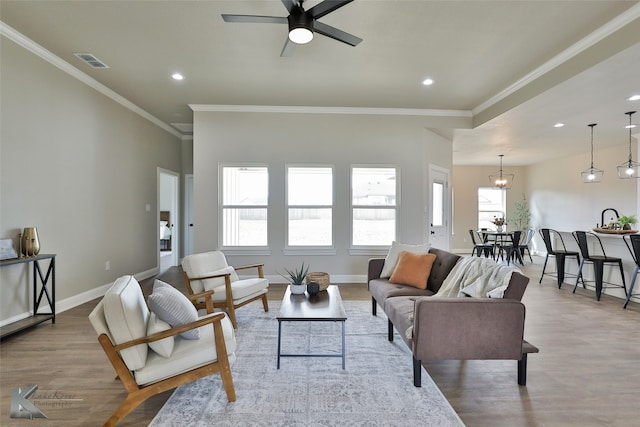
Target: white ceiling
{"points": [[514, 68]]}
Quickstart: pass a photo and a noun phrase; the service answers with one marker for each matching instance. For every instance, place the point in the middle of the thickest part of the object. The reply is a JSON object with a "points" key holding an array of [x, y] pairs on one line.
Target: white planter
{"points": [[298, 289]]}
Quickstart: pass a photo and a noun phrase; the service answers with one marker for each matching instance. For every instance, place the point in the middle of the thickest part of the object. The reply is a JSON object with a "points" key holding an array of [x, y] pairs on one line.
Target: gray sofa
{"points": [[453, 328]]}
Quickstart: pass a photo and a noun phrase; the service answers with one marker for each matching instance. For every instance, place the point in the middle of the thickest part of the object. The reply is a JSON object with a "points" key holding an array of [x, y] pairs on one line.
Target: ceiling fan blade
{"points": [[288, 4], [336, 34], [288, 48], [254, 19], [327, 6]]}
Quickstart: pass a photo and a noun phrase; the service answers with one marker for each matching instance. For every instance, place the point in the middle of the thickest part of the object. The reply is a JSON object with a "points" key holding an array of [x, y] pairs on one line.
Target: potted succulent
{"points": [[296, 278], [626, 221]]}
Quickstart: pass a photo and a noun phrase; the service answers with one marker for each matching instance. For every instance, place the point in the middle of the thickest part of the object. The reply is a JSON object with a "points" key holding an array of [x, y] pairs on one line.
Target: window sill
{"points": [[252, 251], [309, 251]]}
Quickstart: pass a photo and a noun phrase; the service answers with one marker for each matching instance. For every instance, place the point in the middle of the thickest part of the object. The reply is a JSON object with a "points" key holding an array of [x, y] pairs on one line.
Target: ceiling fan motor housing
{"points": [[299, 20]]}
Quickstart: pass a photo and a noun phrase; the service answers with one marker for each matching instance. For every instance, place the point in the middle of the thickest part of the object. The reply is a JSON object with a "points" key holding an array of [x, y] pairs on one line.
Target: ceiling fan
{"points": [[302, 23]]}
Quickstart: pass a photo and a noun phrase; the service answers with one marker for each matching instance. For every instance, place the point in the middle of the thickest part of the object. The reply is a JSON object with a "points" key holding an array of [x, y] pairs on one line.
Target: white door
{"points": [[439, 209], [188, 212]]}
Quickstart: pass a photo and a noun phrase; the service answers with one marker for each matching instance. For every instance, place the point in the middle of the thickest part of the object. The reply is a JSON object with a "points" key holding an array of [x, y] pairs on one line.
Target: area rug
{"points": [[375, 389]]}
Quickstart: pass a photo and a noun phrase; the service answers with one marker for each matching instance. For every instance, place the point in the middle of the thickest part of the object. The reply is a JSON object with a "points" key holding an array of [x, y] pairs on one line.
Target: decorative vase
{"points": [[313, 288], [297, 289], [499, 228], [30, 242]]}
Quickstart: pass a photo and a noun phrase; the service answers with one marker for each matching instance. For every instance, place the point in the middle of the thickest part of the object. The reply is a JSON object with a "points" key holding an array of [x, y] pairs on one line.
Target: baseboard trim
{"points": [[81, 298]]}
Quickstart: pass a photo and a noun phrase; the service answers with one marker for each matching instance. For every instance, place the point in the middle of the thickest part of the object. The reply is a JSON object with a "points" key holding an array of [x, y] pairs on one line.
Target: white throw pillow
{"points": [[170, 305], [163, 347], [394, 253]]}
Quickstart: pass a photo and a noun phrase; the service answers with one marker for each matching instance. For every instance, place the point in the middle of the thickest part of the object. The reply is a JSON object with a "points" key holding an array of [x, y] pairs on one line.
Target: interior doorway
{"points": [[168, 219]]}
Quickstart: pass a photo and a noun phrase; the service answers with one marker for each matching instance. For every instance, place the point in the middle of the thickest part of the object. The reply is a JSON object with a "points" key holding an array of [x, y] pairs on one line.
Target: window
{"points": [[491, 204], [374, 205], [245, 198], [309, 206]]}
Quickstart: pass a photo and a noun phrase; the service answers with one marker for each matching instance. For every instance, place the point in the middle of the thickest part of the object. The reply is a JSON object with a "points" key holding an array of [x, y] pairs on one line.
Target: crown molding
{"points": [[33, 47], [292, 109]]}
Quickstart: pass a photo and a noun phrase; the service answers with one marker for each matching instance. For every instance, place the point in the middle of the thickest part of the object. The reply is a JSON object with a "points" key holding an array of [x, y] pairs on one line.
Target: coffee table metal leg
{"points": [[343, 347], [279, 336]]}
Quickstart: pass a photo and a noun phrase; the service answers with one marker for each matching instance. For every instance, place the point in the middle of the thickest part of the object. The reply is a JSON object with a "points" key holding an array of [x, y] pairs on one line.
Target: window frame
{"points": [[373, 249], [311, 249], [244, 250], [502, 213]]}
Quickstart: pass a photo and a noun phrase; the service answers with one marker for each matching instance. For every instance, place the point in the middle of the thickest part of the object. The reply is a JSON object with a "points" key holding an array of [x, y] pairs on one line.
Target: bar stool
{"points": [[548, 236], [635, 253], [598, 262]]}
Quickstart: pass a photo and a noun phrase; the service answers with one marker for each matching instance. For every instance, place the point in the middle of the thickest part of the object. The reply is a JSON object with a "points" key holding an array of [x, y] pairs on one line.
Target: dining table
{"points": [[497, 237]]}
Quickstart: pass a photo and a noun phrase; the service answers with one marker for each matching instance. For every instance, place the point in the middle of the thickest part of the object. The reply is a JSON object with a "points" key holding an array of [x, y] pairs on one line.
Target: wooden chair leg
{"points": [[265, 302], [231, 311]]}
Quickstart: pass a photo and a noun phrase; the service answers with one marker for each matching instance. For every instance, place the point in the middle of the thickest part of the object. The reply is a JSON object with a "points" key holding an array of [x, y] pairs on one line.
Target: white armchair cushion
{"points": [[187, 355], [126, 314], [199, 265], [170, 305], [241, 289], [163, 347], [211, 284]]}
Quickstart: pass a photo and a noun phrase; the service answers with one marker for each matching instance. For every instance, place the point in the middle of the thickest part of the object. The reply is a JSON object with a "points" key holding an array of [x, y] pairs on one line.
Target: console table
{"points": [[41, 288]]}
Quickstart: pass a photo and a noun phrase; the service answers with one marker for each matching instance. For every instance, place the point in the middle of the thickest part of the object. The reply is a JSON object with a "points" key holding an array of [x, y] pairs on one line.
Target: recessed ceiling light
{"points": [[427, 82], [634, 98], [177, 76], [558, 125]]}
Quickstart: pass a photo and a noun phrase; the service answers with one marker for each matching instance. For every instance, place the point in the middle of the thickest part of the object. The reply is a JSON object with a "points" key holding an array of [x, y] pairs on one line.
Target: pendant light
{"points": [[500, 179], [592, 174], [629, 169]]}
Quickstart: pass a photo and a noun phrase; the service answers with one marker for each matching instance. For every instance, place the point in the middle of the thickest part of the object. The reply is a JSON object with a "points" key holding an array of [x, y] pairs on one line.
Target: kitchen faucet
{"points": [[602, 215]]}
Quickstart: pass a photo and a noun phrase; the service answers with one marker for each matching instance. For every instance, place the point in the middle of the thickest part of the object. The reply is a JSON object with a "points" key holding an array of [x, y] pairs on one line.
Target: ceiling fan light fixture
{"points": [[300, 26]]}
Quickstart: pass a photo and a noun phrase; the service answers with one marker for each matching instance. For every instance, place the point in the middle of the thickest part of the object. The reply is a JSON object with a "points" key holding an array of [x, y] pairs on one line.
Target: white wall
{"points": [[81, 168], [340, 140]]}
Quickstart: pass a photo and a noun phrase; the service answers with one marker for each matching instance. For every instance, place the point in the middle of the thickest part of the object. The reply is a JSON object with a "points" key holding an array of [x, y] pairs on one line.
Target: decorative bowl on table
{"points": [[322, 279]]}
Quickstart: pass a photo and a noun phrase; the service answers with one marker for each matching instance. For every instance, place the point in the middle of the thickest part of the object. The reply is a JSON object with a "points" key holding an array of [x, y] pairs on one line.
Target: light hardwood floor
{"points": [[586, 374]]}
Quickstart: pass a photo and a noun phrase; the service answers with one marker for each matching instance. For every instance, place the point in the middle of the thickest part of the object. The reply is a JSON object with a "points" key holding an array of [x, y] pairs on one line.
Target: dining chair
{"points": [[525, 242], [584, 239], [480, 246], [511, 247]]}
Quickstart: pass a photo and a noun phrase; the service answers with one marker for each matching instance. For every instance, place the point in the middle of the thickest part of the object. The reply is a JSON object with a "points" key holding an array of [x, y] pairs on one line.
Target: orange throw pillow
{"points": [[413, 269]]}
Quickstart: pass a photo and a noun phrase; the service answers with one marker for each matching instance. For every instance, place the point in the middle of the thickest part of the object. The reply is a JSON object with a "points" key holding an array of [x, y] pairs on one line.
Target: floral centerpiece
{"points": [[499, 223]]}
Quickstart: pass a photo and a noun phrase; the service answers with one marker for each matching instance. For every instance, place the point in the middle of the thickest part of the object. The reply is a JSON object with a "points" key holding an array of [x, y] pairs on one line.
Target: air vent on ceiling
{"points": [[91, 60]]}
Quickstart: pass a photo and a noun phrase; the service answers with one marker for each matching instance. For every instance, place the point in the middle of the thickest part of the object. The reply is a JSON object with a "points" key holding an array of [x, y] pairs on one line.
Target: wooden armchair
{"points": [[210, 271], [120, 319]]}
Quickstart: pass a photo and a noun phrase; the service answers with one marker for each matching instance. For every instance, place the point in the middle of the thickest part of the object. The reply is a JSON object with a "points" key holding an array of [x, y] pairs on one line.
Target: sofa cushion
{"points": [[382, 289], [126, 314], [413, 269], [199, 265], [163, 347], [394, 253], [170, 305], [442, 266]]}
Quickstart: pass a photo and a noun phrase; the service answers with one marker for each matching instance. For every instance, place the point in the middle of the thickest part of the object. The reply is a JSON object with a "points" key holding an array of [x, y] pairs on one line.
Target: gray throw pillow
{"points": [[170, 305]]}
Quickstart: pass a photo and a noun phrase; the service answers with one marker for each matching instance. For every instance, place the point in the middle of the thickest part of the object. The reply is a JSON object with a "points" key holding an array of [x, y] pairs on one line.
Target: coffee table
{"points": [[326, 306]]}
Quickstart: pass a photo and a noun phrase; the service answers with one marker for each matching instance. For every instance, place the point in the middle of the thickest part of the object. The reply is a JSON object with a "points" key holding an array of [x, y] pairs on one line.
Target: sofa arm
{"points": [[467, 328], [375, 268]]}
